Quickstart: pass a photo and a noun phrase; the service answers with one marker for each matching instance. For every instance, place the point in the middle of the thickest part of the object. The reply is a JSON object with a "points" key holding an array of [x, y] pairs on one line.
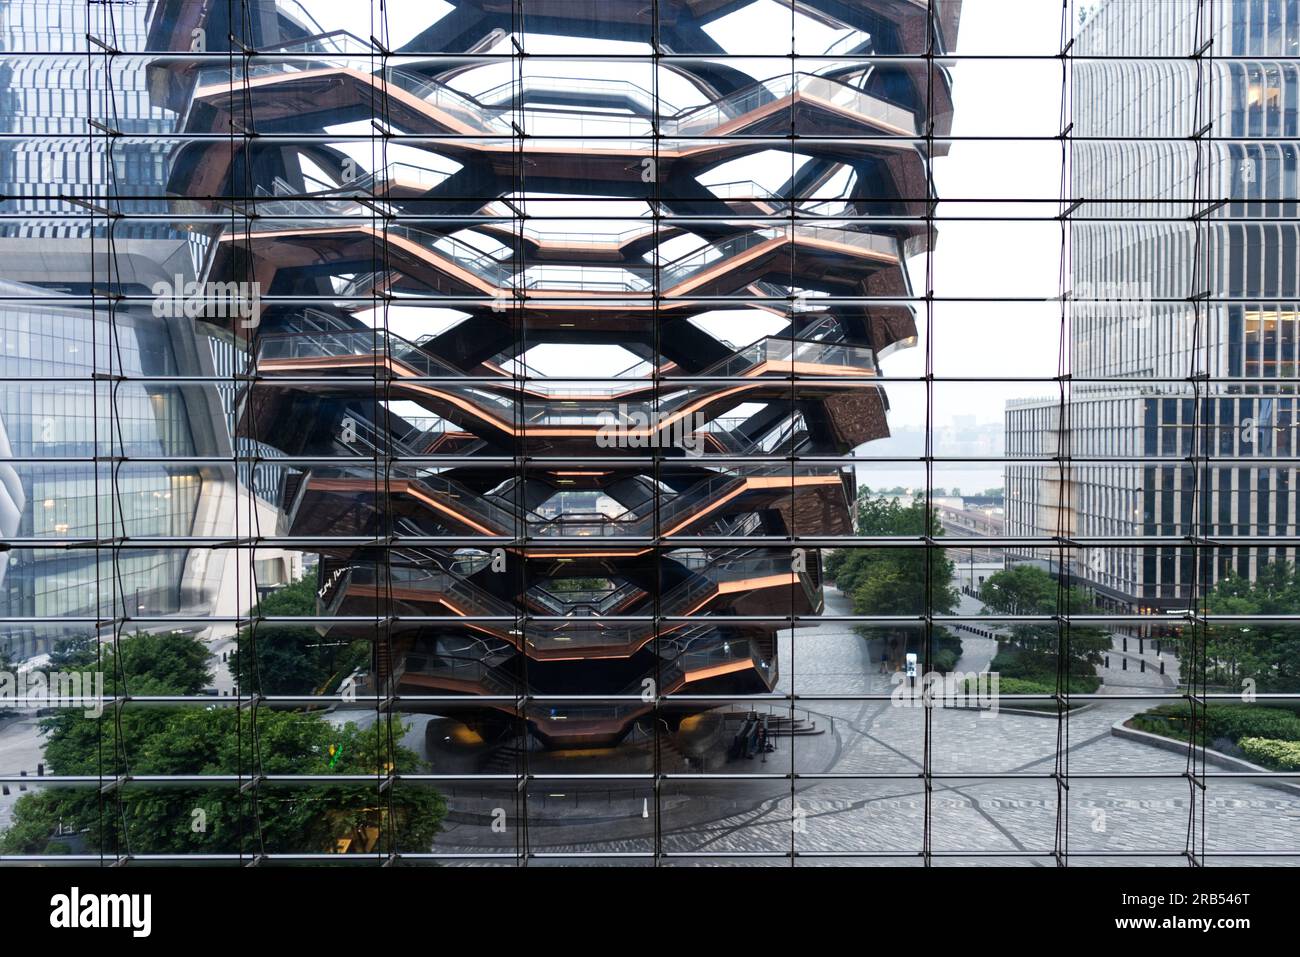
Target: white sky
{"points": [[985, 259]]}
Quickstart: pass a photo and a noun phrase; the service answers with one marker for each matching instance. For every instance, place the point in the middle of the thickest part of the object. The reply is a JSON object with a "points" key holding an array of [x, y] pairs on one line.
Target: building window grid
{"points": [[1036, 423]]}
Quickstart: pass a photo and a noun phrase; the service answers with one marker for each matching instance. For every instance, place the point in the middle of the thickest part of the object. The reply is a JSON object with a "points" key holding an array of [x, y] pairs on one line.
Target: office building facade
{"points": [[98, 417], [1182, 283]]}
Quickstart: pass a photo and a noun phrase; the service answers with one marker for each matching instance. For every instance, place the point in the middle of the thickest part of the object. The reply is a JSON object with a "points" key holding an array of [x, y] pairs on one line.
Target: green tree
{"points": [[74, 652], [283, 659], [1264, 652], [898, 580], [158, 664], [217, 741], [1020, 590], [1032, 650]]}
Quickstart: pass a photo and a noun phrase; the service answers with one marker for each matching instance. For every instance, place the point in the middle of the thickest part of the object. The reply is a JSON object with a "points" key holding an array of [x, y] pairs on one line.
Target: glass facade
{"points": [[83, 371], [503, 432]]}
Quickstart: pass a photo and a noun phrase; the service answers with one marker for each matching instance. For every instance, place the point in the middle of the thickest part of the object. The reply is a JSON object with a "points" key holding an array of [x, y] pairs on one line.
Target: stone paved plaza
{"points": [[756, 816], [1122, 821]]}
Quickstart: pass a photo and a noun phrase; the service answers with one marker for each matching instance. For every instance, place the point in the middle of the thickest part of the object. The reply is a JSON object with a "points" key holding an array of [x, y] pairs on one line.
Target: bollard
{"points": [[1125, 664]]}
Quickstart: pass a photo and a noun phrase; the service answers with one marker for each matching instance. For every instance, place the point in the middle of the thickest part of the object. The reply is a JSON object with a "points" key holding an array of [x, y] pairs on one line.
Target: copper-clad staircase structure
{"points": [[520, 539]]}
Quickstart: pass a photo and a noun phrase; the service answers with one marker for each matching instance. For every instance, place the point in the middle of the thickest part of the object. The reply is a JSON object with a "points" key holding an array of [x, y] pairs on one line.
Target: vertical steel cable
{"points": [[1200, 294], [380, 652], [793, 530], [656, 385], [249, 214], [239, 209], [1065, 549], [385, 765], [117, 447], [519, 329], [112, 211], [239, 657], [94, 405], [254, 519], [928, 529], [94, 432]]}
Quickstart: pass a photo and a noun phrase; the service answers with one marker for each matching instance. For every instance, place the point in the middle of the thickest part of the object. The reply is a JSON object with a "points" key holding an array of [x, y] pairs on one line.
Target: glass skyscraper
{"points": [[1197, 283], [91, 424]]}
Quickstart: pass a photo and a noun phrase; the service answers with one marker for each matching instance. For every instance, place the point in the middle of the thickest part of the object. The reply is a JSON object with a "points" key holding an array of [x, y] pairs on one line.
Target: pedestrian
{"points": [[884, 659]]}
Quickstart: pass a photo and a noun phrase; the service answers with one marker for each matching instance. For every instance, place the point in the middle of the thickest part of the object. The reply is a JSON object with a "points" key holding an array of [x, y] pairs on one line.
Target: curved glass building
{"points": [[95, 415]]}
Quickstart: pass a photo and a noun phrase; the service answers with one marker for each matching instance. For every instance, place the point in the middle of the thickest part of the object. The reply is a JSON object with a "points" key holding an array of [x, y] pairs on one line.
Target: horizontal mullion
{"points": [[937, 57], [543, 543], [242, 781], [917, 141], [702, 462], [1263, 387], [390, 59], [371, 704], [521, 304], [119, 218], [381, 624], [384, 858]]}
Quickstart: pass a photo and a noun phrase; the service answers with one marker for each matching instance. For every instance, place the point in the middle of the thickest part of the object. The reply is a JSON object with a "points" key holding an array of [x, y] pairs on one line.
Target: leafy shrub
{"points": [[1279, 755], [945, 660], [1018, 664], [1237, 722], [1022, 686], [1164, 724], [1233, 721]]}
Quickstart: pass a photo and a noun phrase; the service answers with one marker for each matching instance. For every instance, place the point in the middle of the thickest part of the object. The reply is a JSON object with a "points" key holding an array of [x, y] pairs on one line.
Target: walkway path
{"points": [[1017, 817]]}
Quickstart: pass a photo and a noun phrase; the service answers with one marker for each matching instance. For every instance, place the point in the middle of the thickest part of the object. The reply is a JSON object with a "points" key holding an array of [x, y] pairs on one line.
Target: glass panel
{"points": [[559, 433]]}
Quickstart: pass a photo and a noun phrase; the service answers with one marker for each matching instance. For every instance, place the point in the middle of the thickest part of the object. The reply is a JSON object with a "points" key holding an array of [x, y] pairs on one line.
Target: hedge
{"points": [[1233, 721], [1279, 755], [1023, 686], [1018, 664]]}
